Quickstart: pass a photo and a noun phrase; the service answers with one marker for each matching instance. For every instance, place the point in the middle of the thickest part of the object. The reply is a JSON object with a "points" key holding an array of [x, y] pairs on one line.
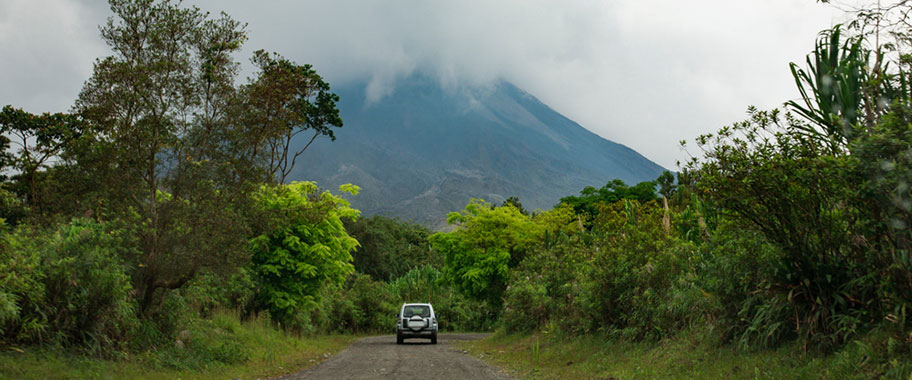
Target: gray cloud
{"points": [[48, 48], [645, 73]]}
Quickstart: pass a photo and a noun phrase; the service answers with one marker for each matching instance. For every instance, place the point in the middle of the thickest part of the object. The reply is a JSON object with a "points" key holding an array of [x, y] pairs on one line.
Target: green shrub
{"points": [[634, 273], [736, 270], [87, 290], [360, 305], [546, 284], [526, 306], [210, 291], [67, 286], [21, 285], [389, 248]]}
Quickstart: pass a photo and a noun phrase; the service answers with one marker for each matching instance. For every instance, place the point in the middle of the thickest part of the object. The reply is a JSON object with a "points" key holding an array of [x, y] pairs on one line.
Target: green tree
{"points": [[164, 139], [390, 248], [38, 140], [175, 149], [514, 201], [285, 100], [590, 197], [304, 249], [487, 242]]}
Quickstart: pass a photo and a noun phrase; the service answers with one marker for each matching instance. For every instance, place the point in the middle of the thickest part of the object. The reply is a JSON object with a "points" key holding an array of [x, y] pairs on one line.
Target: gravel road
{"points": [[379, 357]]}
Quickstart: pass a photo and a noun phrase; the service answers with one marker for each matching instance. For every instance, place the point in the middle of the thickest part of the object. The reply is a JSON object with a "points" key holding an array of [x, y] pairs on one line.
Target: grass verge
{"points": [[684, 357], [218, 348]]}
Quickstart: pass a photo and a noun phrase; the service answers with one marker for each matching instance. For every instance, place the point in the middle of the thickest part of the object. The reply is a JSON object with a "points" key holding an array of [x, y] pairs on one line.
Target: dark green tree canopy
{"points": [[613, 191], [285, 100], [390, 248], [37, 139]]}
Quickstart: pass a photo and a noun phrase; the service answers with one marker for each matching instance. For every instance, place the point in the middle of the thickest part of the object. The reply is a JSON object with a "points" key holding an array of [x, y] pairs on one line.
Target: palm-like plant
{"points": [[832, 89]]}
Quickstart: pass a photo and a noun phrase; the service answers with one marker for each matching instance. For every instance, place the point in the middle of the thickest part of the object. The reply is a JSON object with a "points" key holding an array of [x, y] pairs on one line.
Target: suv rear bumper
{"points": [[420, 333]]}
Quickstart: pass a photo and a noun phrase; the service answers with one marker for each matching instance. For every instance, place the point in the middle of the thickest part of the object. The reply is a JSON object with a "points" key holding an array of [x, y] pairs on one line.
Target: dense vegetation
{"points": [[160, 202], [788, 227]]}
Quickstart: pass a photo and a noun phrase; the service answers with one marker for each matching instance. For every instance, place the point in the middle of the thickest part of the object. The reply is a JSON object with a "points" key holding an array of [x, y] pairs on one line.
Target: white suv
{"points": [[416, 320]]}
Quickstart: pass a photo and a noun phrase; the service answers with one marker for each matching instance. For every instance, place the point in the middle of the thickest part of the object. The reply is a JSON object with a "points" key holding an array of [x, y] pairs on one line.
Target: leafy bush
{"points": [[210, 291], [489, 241], [389, 248], [87, 290], [545, 286], [735, 270], [800, 199], [361, 305], [526, 307], [67, 286], [21, 285], [634, 273]]}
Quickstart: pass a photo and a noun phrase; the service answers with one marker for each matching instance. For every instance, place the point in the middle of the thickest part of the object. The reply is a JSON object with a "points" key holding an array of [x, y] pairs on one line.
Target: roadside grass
{"points": [[687, 356], [221, 347]]}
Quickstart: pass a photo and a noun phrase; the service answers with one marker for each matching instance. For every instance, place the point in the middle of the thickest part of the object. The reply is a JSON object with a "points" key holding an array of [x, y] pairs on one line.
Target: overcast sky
{"points": [[644, 73]]}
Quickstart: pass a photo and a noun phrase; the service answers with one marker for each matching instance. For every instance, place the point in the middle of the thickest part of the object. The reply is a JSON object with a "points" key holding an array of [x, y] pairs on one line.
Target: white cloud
{"points": [[645, 73]]}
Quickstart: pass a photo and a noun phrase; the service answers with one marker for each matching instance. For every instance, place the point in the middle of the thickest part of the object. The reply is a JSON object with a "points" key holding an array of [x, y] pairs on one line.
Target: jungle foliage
{"points": [[161, 201]]}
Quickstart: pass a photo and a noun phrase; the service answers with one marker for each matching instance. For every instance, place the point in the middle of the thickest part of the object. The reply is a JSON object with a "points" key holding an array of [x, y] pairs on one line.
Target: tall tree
{"points": [[172, 147], [284, 101]]}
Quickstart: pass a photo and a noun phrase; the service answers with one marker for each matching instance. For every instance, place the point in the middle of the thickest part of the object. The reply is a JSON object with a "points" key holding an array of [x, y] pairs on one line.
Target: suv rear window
{"points": [[422, 311]]}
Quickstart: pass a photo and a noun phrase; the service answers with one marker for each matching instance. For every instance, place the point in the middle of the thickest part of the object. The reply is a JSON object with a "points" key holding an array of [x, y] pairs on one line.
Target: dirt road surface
{"points": [[379, 357]]}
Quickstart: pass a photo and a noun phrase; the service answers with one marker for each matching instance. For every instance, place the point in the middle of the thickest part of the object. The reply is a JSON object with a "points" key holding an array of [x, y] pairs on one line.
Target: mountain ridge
{"points": [[423, 151]]}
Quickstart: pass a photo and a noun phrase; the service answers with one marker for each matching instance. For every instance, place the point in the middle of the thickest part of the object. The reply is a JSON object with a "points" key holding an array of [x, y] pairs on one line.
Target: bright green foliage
{"points": [[514, 201], [305, 248], [559, 220], [389, 248], [489, 240]]}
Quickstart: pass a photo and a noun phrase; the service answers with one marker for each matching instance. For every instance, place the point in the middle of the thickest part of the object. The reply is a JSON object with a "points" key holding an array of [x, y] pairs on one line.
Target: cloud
{"points": [[644, 73], [48, 50]]}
